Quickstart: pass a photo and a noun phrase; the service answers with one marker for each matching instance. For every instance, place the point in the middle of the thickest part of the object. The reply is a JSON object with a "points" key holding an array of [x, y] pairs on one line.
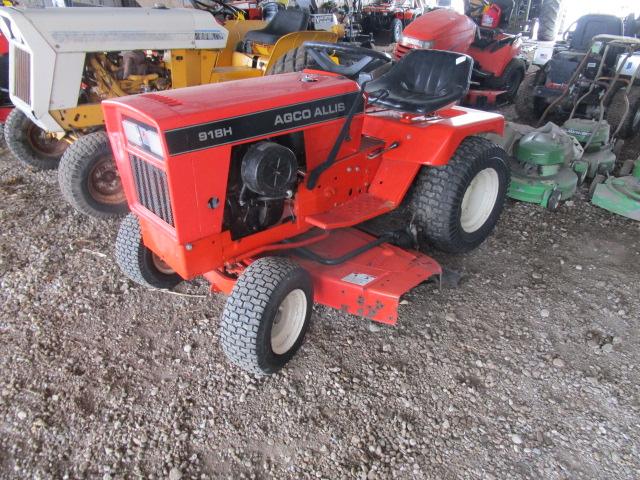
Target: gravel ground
{"points": [[526, 369]]}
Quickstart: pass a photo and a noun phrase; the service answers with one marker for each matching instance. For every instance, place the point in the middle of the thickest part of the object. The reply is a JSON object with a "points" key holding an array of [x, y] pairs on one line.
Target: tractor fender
{"points": [[431, 142], [495, 59]]}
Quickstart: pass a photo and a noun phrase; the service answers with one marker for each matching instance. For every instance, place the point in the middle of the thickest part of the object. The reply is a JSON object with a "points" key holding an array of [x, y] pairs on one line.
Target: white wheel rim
{"points": [[479, 200], [288, 322]]}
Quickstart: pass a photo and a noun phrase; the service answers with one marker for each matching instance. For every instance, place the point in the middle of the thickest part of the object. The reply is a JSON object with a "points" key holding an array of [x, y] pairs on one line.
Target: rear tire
{"points": [[367, 26], [525, 102], [510, 80], [396, 30], [139, 263], [627, 167], [457, 206], [295, 60], [267, 315], [548, 19], [630, 125], [29, 143], [89, 180]]}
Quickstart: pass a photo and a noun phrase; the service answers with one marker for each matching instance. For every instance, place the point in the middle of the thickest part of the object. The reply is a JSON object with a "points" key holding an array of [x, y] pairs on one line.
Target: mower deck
{"points": [[370, 284], [619, 195], [534, 188]]}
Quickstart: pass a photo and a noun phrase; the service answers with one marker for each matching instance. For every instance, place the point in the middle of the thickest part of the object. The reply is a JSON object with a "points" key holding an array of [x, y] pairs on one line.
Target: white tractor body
{"points": [[48, 46]]}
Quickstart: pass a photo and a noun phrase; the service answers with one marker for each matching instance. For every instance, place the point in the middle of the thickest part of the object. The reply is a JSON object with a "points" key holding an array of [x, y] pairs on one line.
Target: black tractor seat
{"points": [[588, 26], [422, 82], [283, 23]]}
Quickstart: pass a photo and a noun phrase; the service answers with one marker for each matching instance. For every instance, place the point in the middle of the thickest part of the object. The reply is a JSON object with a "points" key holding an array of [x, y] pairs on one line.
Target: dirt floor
{"points": [[528, 368]]}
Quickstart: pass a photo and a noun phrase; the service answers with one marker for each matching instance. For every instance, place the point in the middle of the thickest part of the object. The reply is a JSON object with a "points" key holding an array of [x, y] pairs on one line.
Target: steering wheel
{"points": [[567, 32], [354, 60], [218, 7]]}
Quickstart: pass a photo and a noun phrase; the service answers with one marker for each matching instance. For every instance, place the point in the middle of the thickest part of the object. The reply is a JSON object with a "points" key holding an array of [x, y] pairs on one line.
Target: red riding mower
{"points": [[258, 185], [499, 67]]}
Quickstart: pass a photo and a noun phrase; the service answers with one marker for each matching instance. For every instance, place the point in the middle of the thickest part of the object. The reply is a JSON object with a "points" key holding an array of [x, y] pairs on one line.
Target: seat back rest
{"points": [[283, 23], [287, 21], [589, 26], [423, 81], [435, 72]]}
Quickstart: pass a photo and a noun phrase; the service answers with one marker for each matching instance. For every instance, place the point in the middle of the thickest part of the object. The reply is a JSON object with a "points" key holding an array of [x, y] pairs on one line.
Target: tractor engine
{"points": [[263, 178], [120, 73]]}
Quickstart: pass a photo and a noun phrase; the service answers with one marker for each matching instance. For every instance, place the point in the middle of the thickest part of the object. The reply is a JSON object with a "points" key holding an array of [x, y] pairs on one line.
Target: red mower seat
{"points": [[422, 82]]}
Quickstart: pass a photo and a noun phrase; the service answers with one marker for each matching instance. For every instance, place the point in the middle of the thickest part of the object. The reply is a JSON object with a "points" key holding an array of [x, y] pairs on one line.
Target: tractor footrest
{"points": [[371, 284], [363, 207]]}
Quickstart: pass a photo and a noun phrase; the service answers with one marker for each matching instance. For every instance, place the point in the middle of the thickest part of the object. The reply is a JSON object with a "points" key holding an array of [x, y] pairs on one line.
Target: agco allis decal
{"points": [[229, 130], [307, 114]]}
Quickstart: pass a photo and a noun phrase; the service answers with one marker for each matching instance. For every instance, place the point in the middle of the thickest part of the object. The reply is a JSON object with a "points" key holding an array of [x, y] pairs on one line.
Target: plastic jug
{"points": [[491, 16]]}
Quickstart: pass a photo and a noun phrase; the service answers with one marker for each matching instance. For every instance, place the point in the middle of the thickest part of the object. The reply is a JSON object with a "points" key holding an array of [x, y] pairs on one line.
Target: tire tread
{"points": [[14, 130], [245, 307], [73, 172], [438, 191], [130, 257]]}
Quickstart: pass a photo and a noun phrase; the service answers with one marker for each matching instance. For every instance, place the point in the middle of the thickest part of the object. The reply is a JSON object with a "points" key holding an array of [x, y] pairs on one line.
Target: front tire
{"points": [[510, 80], [267, 315], [139, 263], [457, 206], [30, 144], [89, 180]]}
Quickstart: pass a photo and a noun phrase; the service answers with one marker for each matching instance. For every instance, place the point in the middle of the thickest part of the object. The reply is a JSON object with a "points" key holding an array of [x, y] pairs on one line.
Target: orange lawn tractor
{"points": [[260, 186]]}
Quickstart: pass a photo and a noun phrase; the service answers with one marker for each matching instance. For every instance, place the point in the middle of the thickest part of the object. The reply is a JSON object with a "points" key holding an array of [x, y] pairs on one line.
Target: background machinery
{"points": [[499, 67], [64, 62], [542, 88], [390, 15], [547, 164], [619, 194]]}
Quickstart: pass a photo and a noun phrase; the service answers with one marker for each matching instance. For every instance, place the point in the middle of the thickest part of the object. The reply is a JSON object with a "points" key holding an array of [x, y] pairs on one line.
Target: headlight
{"points": [[415, 43], [143, 136]]}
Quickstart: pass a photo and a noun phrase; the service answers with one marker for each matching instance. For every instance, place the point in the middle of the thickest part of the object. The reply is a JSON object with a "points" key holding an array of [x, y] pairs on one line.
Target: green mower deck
{"points": [[620, 195], [541, 167], [533, 188]]}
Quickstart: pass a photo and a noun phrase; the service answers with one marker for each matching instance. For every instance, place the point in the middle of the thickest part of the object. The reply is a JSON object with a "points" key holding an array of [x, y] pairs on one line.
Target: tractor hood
{"points": [[443, 29], [197, 118], [111, 29]]}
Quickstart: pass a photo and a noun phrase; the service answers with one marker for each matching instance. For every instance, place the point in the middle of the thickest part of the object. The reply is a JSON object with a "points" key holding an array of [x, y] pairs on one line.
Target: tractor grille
{"points": [[22, 86], [152, 188]]}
